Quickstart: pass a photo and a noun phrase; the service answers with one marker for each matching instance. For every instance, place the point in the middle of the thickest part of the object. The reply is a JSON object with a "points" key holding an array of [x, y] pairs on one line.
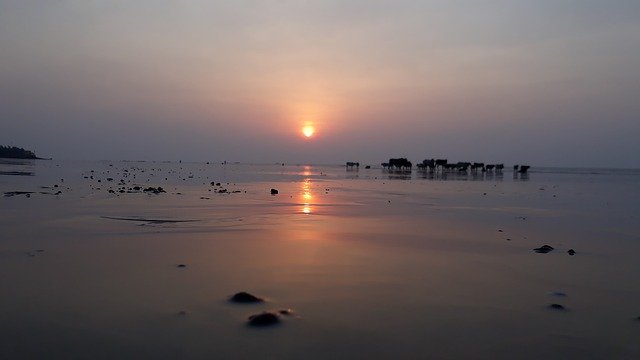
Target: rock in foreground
{"points": [[264, 319], [245, 298], [543, 249]]}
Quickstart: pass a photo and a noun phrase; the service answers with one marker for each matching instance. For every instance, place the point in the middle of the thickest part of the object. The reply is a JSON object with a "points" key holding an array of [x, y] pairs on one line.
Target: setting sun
{"points": [[308, 131]]}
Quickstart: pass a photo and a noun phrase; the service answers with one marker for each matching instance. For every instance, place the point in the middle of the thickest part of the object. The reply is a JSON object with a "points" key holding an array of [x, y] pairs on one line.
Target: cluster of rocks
{"points": [[264, 318], [547, 248]]}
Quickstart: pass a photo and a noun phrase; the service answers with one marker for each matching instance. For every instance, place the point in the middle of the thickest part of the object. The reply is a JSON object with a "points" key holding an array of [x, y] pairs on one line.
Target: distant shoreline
{"points": [[13, 152]]}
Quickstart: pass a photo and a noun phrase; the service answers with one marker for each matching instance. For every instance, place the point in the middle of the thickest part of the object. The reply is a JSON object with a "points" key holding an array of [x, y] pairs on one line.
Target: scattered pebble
{"points": [[557, 307], [543, 249], [264, 319], [181, 266], [245, 297], [274, 192], [571, 252]]}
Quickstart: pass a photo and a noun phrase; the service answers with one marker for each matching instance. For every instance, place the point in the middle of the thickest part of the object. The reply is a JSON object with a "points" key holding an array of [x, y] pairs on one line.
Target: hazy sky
{"points": [[544, 82]]}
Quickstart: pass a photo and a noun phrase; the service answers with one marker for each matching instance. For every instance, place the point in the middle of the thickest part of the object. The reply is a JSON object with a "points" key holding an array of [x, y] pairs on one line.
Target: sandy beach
{"points": [[371, 264]]}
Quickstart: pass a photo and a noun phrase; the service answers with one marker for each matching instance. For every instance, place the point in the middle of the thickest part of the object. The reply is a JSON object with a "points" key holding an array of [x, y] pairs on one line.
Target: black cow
{"points": [[400, 163]]}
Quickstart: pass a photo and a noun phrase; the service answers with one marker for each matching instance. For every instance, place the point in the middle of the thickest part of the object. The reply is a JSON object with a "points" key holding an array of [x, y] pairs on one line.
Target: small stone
{"points": [[245, 297], [274, 192], [286, 312], [181, 266], [571, 252], [543, 249], [264, 319], [557, 307]]}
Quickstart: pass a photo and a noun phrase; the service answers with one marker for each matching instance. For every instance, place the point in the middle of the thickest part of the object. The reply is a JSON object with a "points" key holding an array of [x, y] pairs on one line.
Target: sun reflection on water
{"points": [[307, 196]]}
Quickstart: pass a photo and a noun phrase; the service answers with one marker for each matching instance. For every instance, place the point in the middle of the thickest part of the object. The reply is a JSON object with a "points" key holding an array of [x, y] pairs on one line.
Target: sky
{"points": [[544, 82]]}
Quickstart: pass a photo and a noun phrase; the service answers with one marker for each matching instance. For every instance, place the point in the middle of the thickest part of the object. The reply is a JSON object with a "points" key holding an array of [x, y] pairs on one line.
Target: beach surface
{"points": [[372, 264]]}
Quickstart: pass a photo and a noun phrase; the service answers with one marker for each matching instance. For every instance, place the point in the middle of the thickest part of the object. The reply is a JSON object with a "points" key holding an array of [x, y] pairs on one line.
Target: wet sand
{"points": [[373, 264]]}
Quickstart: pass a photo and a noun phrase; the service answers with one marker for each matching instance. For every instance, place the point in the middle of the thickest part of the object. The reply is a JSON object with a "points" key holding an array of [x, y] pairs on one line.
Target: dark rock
{"points": [[181, 266], [274, 191], [14, 193], [543, 249], [571, 252], [245, 297], [264, 319], [285, 312], [557, 307], [153, 190]]}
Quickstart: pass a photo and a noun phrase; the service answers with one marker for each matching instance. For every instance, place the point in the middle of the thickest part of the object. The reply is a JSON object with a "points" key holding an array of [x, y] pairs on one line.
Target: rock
{"points": [[153, 190], [285, 312], [264, 319], [571, 252], [557, 307], [181, 265], [274, 192], [245, 297], [543, 249]]}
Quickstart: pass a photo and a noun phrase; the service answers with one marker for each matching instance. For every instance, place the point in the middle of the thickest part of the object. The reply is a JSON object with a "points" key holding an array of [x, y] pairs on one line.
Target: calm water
{"points": [[373, 264]]}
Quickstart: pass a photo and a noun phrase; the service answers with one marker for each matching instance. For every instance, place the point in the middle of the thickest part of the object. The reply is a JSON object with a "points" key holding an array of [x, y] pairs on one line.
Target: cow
{"points": [[440, 163], [475, 166], [400, 163]]}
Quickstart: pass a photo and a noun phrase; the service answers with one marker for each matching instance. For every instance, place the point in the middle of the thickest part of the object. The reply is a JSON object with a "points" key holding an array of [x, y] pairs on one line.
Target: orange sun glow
{"points": [[308, 131]]}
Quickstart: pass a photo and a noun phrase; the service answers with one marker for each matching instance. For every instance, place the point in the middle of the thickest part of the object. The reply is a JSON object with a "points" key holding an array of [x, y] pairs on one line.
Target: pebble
{"points": [[264, 319], [245, 297]]}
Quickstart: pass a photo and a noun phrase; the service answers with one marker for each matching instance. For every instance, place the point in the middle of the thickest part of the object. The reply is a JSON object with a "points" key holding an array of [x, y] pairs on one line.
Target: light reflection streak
{"points": [[307, 196]]}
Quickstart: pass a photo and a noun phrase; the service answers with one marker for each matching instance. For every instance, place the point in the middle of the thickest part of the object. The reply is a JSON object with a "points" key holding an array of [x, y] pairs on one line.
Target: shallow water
{"points": [[373, 264]]}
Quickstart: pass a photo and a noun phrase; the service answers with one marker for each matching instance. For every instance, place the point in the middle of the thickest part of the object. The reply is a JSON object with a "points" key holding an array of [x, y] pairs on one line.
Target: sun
{"points": [[308, 131]]}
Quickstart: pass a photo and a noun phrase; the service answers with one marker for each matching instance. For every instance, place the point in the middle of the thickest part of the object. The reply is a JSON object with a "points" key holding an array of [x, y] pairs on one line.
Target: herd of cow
{"points": [[444, 166]]}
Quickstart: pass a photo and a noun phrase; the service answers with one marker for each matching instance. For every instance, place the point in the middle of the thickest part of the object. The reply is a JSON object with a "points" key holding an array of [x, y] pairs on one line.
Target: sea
{"points": [[140, 260]]}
